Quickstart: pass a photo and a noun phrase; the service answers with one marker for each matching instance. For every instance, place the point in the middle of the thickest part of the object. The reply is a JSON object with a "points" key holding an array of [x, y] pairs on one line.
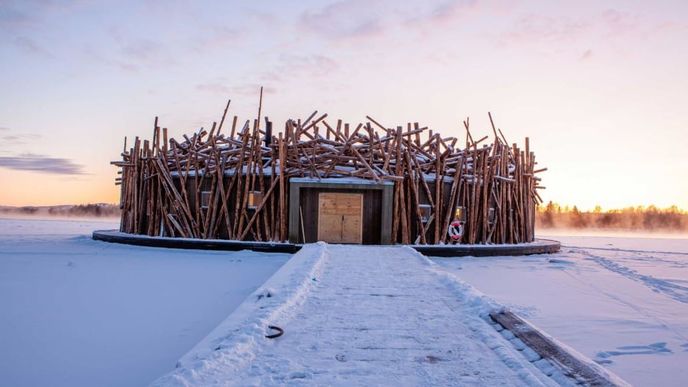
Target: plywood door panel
{"points": [[340, 217]]}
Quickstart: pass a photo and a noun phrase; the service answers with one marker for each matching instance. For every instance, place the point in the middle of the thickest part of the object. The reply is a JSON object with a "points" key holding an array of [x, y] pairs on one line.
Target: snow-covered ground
{"points": [[620, 301], [78, 312]]}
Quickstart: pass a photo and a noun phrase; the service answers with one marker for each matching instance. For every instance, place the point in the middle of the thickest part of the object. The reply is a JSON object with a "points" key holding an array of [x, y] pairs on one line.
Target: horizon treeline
{"points": [[549, 216], [80, 210], [639, 218]]}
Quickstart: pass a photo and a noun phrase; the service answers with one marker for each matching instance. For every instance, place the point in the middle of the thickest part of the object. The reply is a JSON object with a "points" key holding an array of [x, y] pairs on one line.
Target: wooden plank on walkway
{"points": [[548, 349]]}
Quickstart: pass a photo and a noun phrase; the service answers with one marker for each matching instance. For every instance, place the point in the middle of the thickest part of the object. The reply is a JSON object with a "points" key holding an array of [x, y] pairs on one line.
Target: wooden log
{"points": [[224, 114], [282, 189], [416, 198], [259, 209]]}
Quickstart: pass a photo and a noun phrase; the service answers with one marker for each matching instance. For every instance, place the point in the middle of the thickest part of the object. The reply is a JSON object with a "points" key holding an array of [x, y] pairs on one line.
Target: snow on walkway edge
{"points": [[483, 305], [232, 344]]}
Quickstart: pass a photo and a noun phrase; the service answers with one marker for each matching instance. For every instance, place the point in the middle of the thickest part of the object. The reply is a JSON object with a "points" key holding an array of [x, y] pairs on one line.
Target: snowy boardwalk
{"points": [[368, 316]]}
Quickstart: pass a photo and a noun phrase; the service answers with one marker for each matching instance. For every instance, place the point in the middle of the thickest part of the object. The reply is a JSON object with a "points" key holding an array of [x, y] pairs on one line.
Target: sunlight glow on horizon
{"points": [[599, 90]]}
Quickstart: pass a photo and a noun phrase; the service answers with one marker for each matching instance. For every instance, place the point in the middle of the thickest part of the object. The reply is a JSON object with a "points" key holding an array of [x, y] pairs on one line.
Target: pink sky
{"points": [[599, 87]]}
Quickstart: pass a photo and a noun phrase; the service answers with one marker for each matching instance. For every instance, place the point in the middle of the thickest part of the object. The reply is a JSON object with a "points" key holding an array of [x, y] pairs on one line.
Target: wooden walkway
{"points": [[359, 315]]}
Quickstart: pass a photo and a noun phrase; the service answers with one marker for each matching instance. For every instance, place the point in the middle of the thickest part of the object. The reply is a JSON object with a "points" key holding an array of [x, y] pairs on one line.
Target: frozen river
{"points": [[77, 312]]}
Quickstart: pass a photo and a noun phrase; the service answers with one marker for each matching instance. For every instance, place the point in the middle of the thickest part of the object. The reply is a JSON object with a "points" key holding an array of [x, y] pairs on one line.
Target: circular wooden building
{"points": [[319, 180]]}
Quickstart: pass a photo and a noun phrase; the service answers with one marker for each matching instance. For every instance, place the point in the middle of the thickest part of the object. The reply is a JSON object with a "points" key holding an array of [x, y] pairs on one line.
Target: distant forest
{"points": [[640, 218], [82, 210], [552, 215]]}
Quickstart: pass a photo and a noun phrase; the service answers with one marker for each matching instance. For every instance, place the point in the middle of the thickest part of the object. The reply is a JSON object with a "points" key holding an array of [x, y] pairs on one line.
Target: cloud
{"points": [[18, 139], [216, 38], [41, 163], [29, 45], [445, 12], [356, 20], [343, 20], [130, 54], [143, 49], [294, 70], [540, 28], [11, 17], [308, 65], [291, 66], [261, 17], [606, 25], [587, 54], [252, 90], [616, 22], [284, 68], [18, 14], [138, 53], [438, 17], [214, 87], [2, 128], [222, 86]]}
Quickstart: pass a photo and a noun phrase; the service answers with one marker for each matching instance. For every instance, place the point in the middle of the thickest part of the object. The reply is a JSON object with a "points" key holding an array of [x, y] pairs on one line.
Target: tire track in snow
{"points": [[624, 250], [604, 357], [629, 304], [668, 288]]}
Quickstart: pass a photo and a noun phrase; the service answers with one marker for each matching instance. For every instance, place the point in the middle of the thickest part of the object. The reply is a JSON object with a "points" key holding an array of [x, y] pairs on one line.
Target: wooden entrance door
{"points": [[340, 217]]}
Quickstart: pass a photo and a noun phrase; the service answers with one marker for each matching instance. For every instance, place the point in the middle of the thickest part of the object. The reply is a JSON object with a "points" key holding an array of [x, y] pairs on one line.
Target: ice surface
{"points": [[78, 312], [620, 301]]}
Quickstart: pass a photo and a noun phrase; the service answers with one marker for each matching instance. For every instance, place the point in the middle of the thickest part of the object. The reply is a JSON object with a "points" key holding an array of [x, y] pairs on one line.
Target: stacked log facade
{"points": [[492, 183]]}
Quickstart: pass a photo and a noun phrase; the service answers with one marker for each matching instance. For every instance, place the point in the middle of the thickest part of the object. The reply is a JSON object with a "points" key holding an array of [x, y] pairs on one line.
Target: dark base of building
{"points": [[539, 246]]}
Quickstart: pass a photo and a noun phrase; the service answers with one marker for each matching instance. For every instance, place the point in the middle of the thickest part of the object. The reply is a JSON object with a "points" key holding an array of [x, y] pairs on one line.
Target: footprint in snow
{"points": [[429, 359], [557, 263], [651, 349], [298, 375], [264, 293]]}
